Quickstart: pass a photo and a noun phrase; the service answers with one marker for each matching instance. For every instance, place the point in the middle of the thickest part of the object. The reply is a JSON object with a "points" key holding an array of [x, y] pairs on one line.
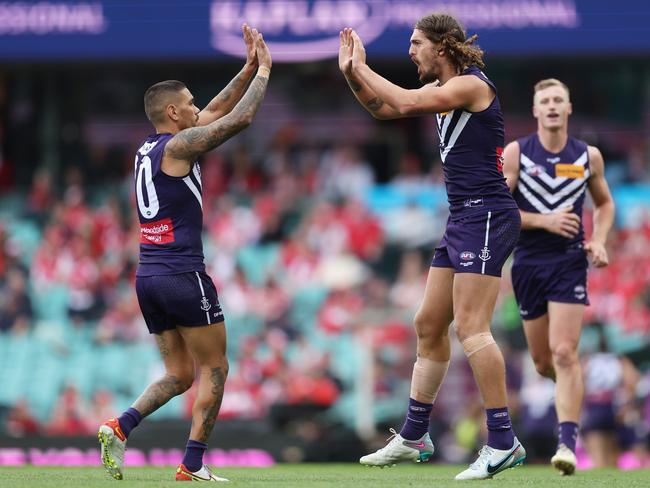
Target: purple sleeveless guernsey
{"points": [[471, 148], [548, 182], [170, 211]]}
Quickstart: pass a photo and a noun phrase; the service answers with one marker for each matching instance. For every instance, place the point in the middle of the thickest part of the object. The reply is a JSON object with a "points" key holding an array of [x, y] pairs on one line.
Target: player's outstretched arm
{"points": [[190, 143], [225, 101], [364, 95], [603, 208], [460, 91]]}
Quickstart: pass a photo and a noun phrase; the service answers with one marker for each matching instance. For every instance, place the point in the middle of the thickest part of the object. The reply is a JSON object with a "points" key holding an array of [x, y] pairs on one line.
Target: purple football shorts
{"points": [[479, 243], [563, 281], [186, 299]]}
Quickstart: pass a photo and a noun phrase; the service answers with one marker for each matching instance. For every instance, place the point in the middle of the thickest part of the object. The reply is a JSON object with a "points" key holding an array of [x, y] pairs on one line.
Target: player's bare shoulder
{"points": [[596, 161], [459, 92], [512, 150], [476, 92], [510, 156]]}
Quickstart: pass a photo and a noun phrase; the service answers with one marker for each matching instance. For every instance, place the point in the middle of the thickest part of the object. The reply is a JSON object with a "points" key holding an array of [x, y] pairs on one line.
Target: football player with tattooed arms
{"points": [[481, 231], [178, 299], [549, 172]]}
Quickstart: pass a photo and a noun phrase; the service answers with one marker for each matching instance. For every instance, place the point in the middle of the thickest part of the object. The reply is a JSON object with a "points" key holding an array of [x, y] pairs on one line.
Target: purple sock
{"points": [[417, 420], [500, 435], [568, 434], [129, 420], [193, 459]]}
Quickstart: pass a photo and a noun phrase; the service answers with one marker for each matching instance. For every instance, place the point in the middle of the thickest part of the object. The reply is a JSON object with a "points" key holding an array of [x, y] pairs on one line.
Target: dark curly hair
{"points": [[446, 30]]}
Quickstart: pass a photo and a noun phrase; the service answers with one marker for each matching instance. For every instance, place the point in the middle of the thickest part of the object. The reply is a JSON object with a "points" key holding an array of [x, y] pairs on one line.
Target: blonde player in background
{"points": [[549, 173]]}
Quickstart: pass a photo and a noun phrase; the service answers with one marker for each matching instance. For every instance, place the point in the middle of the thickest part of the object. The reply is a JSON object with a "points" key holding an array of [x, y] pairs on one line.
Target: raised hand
{"points": [[345, 52], [251, 52], [563, 222], [358, 51], [263, 53]]}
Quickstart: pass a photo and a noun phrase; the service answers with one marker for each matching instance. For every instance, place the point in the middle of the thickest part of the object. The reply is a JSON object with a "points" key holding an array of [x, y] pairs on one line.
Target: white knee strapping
{"points": [[427, 378], [476, 342]]}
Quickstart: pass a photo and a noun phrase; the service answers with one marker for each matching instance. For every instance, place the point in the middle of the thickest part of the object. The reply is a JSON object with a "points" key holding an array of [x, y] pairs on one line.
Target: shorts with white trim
{"points": [[563, 281], [186, 299], [479, 243]]}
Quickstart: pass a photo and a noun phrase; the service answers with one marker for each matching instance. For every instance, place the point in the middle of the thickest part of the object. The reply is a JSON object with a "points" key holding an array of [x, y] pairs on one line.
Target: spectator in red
{"points": [[21, 421], [365, 236], [67, 418]]}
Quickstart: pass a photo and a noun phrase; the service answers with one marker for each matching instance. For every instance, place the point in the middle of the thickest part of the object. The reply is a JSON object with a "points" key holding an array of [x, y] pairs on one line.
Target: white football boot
{"points": [[492, 461], [113, 445], [400, 449], [203, 474], [564, 460]]}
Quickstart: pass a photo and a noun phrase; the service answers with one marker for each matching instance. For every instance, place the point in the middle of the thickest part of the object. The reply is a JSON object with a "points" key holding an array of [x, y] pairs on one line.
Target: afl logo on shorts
{"points": [[467, 255], [205, 304]]}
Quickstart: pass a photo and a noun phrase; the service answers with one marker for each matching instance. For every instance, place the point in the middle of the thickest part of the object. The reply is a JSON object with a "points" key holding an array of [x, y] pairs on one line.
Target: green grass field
{"points": [[323, 475]]}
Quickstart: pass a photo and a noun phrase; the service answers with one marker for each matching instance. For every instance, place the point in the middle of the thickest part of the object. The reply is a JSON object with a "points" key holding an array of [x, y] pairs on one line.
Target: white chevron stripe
{"points": [[582, 159], [445, 125], [197, 174], [570, 201], [553, 198], [460, 125], [190, 184], [541, 208], [548, 179]]}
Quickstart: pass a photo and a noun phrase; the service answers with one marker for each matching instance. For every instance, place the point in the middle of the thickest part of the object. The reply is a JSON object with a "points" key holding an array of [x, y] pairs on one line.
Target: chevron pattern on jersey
{"points": [[547, 193], [456, 120], [194, 184]]}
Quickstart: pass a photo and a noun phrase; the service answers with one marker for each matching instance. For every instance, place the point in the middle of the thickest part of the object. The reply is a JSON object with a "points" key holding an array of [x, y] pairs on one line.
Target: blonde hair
{"points": [[549, 82]]}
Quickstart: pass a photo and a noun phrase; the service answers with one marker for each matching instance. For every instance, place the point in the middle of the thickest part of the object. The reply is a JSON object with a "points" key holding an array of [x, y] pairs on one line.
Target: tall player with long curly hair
{"points": [[481, 232]]}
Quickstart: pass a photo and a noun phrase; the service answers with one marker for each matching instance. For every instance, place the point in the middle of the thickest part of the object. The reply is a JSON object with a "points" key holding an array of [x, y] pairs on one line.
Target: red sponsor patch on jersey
{"points": [[159, 232], [500, 159]]}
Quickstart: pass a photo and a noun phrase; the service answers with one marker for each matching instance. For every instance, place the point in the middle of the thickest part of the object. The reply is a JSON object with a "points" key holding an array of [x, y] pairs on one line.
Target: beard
{"points": [[428, 77]]}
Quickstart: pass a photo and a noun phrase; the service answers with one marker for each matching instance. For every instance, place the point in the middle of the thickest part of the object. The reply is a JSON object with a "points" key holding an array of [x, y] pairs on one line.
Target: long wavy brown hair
{"points": [[446, 30]]}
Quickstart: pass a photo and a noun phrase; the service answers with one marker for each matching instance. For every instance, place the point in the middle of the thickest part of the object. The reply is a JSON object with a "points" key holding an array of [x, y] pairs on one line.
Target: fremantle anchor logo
{"points": [[205, 304], [485, 254]]}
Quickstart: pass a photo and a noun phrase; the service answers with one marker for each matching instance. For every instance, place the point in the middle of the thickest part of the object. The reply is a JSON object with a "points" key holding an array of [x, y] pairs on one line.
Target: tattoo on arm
{"points": [[375, 104], [190, 143], [225, 100], [209, 414]]}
